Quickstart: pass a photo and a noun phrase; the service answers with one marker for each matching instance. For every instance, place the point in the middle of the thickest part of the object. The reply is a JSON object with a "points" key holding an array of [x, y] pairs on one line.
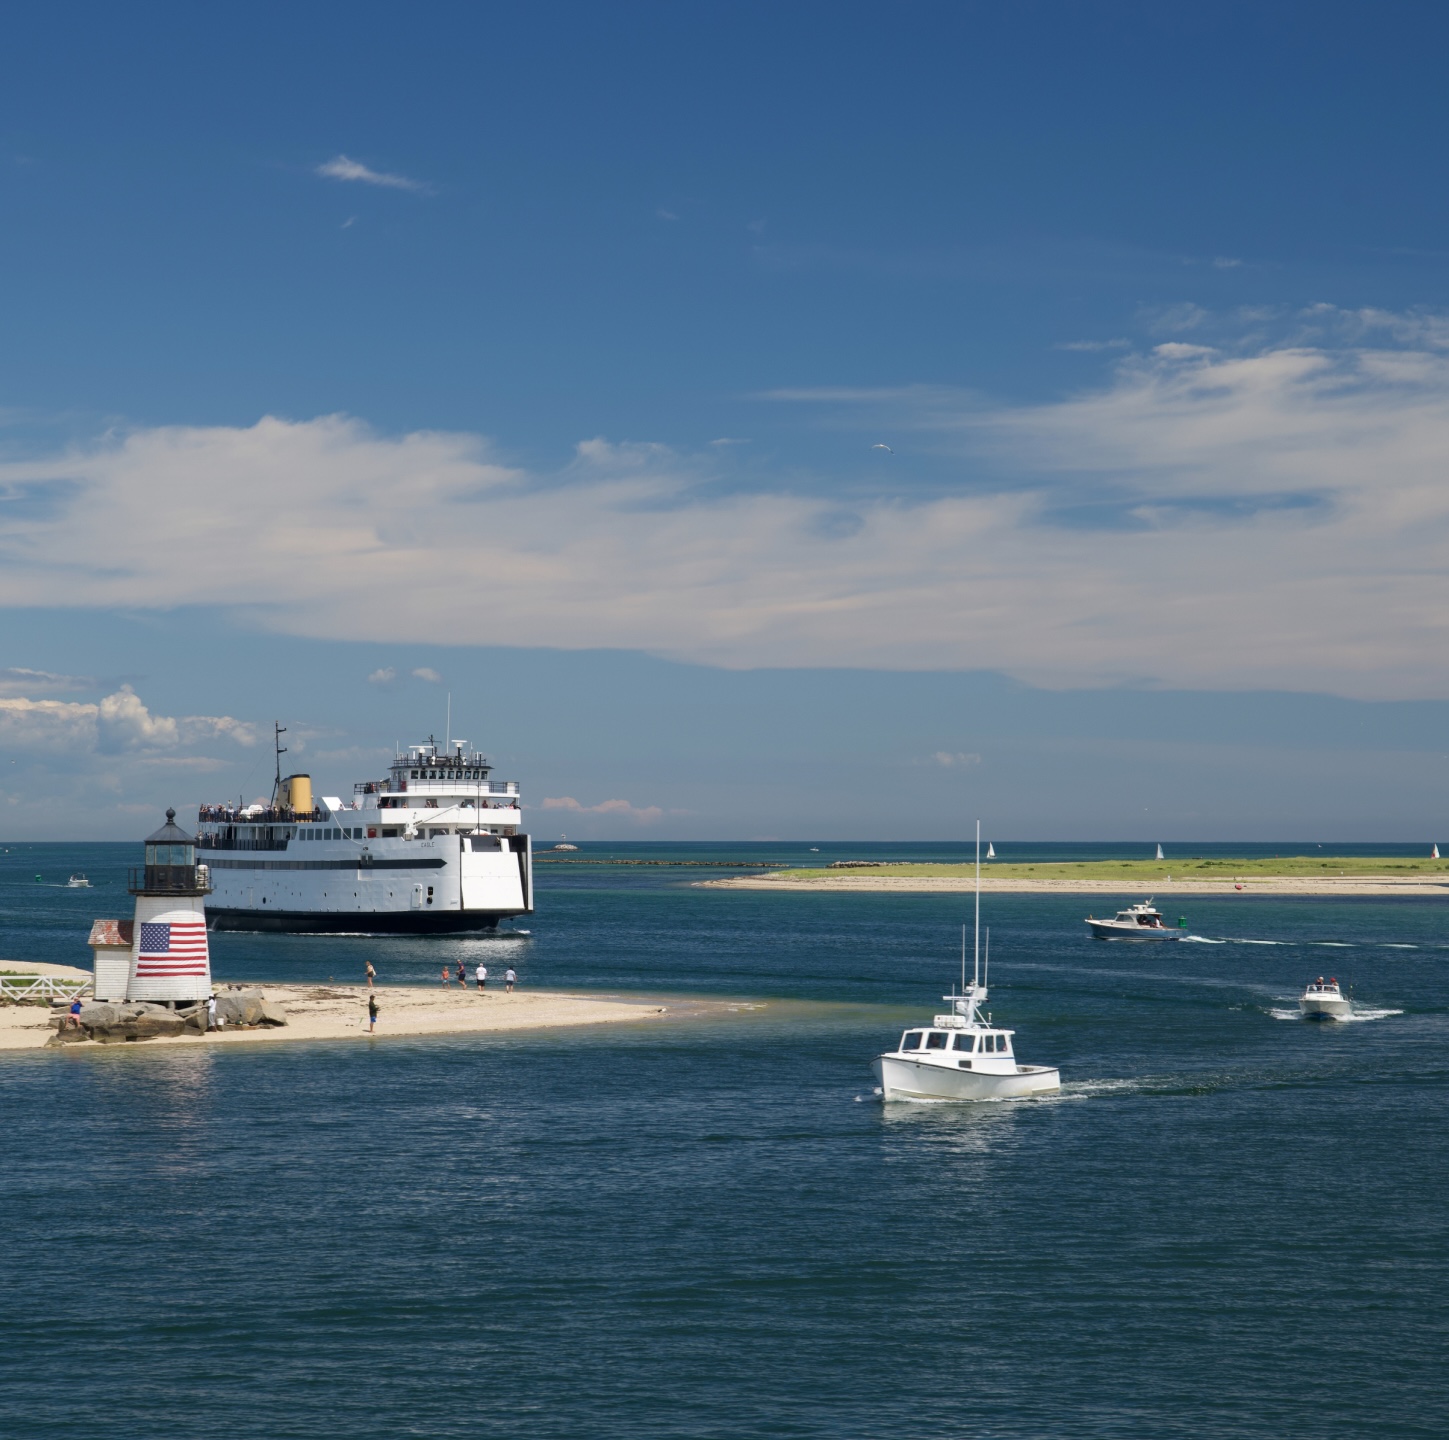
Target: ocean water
{"points": [[1230, 1223]]}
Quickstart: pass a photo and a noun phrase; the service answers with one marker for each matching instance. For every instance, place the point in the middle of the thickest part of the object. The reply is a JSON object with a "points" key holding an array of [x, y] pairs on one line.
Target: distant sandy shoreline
{"points": [[339, 1012], [952, 885]]}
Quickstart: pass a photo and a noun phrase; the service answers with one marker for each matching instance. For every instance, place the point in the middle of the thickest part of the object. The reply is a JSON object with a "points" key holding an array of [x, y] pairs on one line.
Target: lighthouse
{"points": [[169, 957]]}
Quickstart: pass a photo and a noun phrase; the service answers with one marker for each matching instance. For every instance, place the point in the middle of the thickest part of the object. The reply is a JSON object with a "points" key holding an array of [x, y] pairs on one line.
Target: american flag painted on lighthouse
{"points": [[171, 947]]}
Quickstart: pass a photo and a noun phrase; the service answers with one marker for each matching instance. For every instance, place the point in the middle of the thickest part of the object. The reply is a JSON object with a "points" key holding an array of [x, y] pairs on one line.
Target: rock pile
{"points": [[110, 1024]]}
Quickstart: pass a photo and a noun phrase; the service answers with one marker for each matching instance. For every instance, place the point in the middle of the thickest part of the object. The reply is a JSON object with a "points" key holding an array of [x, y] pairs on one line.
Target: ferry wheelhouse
{"points": [[436, 847]]}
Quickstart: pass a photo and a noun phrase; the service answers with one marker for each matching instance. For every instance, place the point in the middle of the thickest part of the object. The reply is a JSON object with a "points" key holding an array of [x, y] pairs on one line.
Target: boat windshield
{"points": [[936, 1040], [911, 1040]]}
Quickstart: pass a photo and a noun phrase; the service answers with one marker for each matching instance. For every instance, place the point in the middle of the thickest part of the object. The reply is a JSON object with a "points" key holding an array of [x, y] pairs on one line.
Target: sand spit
{"points": [[339, 1012], [1251, 885]]}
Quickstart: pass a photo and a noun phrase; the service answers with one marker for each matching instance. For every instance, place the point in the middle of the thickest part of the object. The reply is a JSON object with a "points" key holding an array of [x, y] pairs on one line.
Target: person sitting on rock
{"points": [[72, 1019]]}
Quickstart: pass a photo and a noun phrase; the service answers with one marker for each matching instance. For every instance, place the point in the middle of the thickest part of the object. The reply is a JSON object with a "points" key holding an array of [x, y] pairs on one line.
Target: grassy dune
{"points": [[1144, 872]]}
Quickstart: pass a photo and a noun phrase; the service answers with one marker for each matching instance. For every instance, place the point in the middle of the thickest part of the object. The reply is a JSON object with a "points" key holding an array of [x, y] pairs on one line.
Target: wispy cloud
{"points": [[1221, 515], [16, 680], [340, 167], [385, 675], [954, 759], [1093, 345], [642, 815], [426, 672]]}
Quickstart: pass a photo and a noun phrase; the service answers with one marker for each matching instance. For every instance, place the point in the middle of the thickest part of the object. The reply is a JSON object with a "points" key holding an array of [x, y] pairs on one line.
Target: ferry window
{"points": [[936, 1040], [912, 1040]]}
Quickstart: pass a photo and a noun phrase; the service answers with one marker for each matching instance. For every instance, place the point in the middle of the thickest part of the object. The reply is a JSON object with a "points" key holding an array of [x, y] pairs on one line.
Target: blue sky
{"points": [[550, 351]]}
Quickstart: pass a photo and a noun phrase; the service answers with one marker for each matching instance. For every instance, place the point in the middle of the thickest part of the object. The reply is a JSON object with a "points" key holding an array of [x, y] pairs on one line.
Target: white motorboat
{"points": [[961, 1055], [1324, 1000], [1136, 922], [78, 882]]}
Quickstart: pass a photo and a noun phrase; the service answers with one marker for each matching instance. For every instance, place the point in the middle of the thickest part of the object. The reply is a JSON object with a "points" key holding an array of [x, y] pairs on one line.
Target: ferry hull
{"points": [[401, 922], [903, 1079]]}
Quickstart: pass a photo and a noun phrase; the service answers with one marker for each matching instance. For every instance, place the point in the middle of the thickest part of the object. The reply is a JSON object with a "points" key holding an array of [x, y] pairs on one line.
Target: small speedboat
{"points": [[1136, 922], [78, 882], [1323, 1000]]}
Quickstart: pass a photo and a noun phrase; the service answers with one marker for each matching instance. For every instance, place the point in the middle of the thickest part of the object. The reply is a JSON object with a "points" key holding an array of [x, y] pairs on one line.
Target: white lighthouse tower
{"points": [[169, 956]]}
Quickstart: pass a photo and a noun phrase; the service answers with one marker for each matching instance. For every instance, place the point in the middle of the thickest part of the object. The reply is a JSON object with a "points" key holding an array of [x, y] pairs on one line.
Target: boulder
{"points": [[99, 1014], [151, 1023], [272, 1014], [68, 1036], [240, 1007]]}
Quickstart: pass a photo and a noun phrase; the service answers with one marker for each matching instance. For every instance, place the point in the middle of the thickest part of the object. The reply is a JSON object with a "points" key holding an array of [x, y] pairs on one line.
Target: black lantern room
{"points": [[171, 867]]}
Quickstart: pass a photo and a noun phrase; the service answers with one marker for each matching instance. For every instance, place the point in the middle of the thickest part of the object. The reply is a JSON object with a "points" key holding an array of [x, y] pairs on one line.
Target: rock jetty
{"points": [[114, 1023]]}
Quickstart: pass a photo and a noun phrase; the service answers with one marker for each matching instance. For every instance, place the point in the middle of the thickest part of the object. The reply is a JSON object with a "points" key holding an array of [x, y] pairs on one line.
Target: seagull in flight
{"points": [[886, 448]]}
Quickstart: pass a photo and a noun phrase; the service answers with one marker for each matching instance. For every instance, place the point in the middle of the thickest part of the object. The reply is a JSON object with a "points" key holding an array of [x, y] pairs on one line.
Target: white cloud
{"points": [[643, 816], [1276, 518], [426, 672], [120, 723], [954, 759], [664, 214], [341, 168], [384, 676]]}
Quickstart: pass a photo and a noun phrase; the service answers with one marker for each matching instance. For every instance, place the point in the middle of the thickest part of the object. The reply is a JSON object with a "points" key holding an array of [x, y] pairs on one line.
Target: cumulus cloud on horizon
{"points": [[120, 723], [1267, 516]]}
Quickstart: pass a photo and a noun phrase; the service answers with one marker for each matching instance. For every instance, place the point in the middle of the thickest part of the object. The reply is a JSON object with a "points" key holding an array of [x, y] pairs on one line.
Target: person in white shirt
{"points": [[482, 975], [510, 975]]}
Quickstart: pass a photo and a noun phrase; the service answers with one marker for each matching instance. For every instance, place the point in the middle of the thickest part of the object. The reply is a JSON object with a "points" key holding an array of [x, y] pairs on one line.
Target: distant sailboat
{"points": [[1434, 853], [991, 851], [1159, 852]]}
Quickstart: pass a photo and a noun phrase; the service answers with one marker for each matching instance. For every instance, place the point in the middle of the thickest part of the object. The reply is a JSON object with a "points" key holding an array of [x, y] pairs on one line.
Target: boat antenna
{"points": [[986, 967], [448, 728], [281, 750], [976, 939], [963, 959]]}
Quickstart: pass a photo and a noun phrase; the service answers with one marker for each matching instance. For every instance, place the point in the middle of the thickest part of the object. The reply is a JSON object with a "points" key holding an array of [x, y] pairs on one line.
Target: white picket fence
{"points": [[41, 987]]}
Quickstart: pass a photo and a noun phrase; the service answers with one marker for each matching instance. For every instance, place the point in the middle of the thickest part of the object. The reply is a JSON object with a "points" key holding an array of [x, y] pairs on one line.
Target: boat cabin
{"points": [[976, 1043]]}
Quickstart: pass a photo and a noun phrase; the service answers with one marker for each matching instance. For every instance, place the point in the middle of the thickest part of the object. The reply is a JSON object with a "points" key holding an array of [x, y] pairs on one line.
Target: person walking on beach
{"points": [[482, 975], [447, 975], [371, 974], [462, 974], [371, 1012], [509, 976]]}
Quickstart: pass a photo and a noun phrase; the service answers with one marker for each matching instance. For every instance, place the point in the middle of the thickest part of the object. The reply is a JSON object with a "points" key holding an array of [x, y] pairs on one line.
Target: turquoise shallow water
{"points": [[1230, 1224]]}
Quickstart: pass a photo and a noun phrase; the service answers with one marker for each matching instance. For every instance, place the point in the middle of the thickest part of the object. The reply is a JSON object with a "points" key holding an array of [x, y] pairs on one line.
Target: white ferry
{"points": [[435, 848]]}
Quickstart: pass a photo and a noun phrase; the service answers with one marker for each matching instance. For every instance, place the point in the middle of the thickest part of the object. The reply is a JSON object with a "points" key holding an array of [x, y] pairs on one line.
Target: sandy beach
{"points": [[1251, 885], [339, 1012]]}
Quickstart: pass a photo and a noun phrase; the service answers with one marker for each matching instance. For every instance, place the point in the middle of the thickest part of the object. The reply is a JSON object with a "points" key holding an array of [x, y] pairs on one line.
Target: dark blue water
{"points": [[1230, 1224]]}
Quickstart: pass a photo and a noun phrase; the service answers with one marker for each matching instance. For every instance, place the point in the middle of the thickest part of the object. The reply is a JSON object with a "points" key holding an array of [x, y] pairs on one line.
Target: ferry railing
{"points": [[40, 987]]}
